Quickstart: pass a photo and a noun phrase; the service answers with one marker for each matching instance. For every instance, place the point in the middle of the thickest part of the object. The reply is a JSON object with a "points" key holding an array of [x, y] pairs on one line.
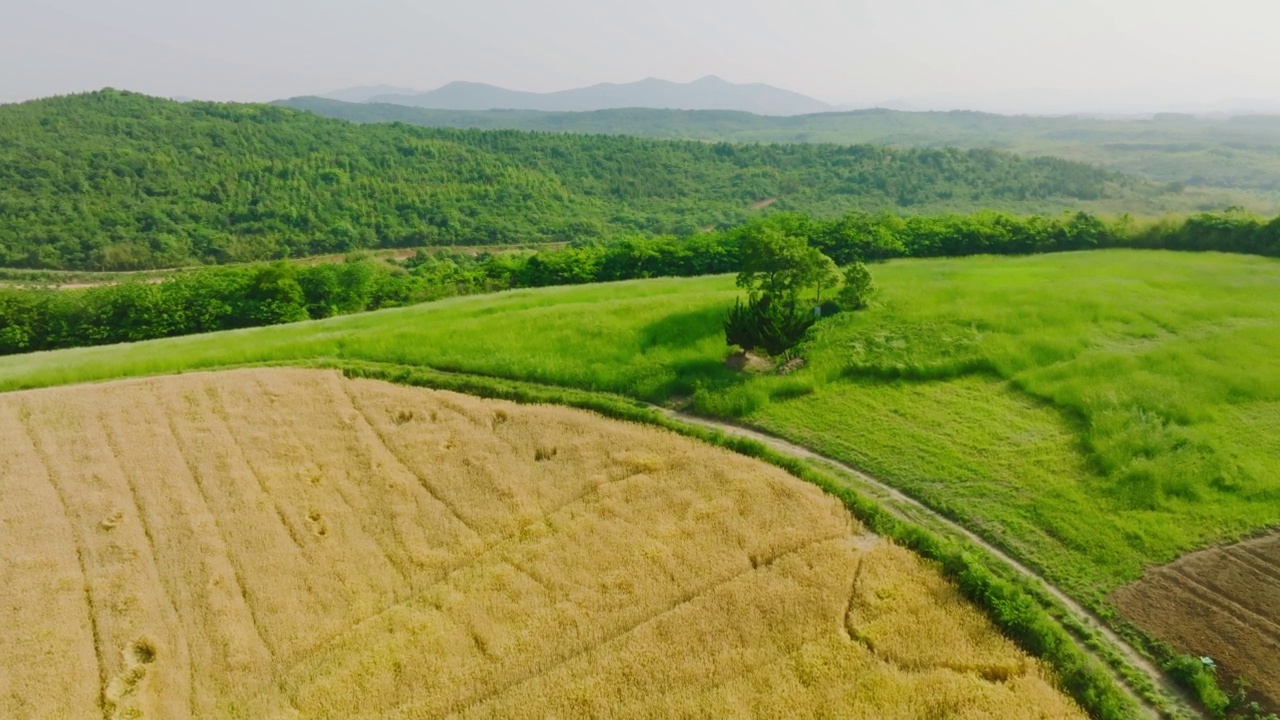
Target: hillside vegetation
{"points": [[288, 543], [1239, 153], [119, 181]]}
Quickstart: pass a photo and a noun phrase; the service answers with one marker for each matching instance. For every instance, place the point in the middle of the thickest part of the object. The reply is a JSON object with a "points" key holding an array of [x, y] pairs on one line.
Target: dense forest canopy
{"points": [[1240, 153], [116, 180]]}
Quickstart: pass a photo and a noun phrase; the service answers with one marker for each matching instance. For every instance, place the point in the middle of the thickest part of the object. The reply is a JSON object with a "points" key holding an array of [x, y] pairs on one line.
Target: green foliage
{"points": [[855, 293], [825, 275], [860, 237], [787, 252], [777, 264], [1200, 679], [120, 181], [1182, 151], [274, 296], [201, 301], [765, 324]]}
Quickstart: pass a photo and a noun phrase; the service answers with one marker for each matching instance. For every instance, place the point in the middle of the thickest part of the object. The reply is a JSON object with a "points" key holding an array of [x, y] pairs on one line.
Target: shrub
{"points": [[763, 324], [1192, 673], [857, 289]]}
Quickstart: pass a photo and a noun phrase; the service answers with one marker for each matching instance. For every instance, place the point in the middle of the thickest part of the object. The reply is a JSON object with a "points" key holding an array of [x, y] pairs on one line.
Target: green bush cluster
{"points": [[199, 302], [763, 324], [1191, 673]]}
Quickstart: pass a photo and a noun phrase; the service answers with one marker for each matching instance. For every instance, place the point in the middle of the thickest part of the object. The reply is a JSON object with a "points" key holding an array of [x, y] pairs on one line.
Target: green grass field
{"points": [[1093, 412]]}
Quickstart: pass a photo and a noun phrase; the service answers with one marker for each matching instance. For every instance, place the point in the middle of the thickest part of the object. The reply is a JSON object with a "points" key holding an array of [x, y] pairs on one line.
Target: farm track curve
{"points": [[1179, 703], [910, 509], [257, 543]]}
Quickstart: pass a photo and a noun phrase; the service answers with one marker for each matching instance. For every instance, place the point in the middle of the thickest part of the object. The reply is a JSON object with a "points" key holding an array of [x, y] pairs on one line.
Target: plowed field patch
{"points": [[1223, 604]]}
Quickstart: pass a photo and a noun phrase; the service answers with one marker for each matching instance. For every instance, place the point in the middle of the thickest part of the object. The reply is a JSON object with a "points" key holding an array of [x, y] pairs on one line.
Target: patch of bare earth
{"points": [[289, 543], [1222, 603], [749, 362]]}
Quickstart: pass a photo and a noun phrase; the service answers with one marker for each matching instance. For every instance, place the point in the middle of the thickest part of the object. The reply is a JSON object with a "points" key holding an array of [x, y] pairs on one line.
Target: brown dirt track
{"points": [[1222, 603], [289, 543]]}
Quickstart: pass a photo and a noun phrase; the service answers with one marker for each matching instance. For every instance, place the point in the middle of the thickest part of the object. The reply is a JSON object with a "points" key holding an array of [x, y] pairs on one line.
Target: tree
{"points": [[765, 325], [274, 296], [859, 236], [825, 274], [778, 265], [857, 289]]}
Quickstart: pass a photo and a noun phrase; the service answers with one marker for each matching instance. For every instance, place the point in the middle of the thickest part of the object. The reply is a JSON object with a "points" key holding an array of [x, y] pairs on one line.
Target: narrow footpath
{"points": [[1178, 704]]}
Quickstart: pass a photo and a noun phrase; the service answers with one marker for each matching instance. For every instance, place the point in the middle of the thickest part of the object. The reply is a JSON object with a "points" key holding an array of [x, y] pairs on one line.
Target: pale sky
{"points": [[1002, 55]]}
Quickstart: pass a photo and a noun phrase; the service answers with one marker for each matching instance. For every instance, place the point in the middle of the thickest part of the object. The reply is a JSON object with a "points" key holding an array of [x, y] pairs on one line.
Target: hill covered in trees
{"points": [[1241, 153], [114, 180]]}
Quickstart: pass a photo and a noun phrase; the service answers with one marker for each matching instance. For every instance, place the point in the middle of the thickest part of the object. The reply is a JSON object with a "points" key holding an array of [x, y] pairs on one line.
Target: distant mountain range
{"points": [[365, 93], [708, 93]]}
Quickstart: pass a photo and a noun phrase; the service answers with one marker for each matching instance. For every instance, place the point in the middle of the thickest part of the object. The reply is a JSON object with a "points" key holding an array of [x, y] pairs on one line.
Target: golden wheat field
{"points": [[293, 544]]}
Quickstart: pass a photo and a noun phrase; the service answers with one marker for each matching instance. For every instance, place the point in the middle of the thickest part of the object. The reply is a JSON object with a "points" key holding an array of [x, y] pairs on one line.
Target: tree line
{"points": [[221, 298], [119, 181]]}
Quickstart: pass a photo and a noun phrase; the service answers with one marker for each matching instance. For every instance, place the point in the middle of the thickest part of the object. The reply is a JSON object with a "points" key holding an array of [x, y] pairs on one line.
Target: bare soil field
{"points": [[1222, 603], [289, 543]]}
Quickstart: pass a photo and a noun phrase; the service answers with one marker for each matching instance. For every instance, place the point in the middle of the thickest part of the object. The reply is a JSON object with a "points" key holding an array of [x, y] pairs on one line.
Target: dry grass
{"points": [[292, 544]]}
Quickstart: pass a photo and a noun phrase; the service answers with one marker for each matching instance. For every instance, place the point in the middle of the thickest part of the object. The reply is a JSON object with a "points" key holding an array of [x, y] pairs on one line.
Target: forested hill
{"points": [[113, 180], [1235, 153]]}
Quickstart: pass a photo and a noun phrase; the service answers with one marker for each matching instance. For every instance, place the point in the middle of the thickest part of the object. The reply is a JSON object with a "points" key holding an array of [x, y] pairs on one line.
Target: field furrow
{"points": [[178, 671], [1213, 596], [423, 481], [258, 547], [44, 590], [1223, 603], [1266, 564], [142, 668], [218, 636], [582, 655]]}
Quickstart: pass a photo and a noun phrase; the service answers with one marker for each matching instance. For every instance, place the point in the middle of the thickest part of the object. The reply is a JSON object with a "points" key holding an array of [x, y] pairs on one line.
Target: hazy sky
{"points": [[1006, 55]]}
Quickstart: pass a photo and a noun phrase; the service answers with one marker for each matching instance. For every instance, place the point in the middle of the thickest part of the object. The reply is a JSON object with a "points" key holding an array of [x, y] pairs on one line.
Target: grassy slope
{"points": [[632, 337], [1096, 412]]}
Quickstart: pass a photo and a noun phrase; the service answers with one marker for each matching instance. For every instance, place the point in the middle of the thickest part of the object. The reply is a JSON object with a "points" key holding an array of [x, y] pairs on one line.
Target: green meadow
{"points": [[1094, 412]]}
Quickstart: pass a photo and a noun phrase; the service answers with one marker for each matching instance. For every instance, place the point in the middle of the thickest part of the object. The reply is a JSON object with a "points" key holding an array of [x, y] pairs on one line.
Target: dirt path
{"points": [[911, 509], [187, 544]]}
